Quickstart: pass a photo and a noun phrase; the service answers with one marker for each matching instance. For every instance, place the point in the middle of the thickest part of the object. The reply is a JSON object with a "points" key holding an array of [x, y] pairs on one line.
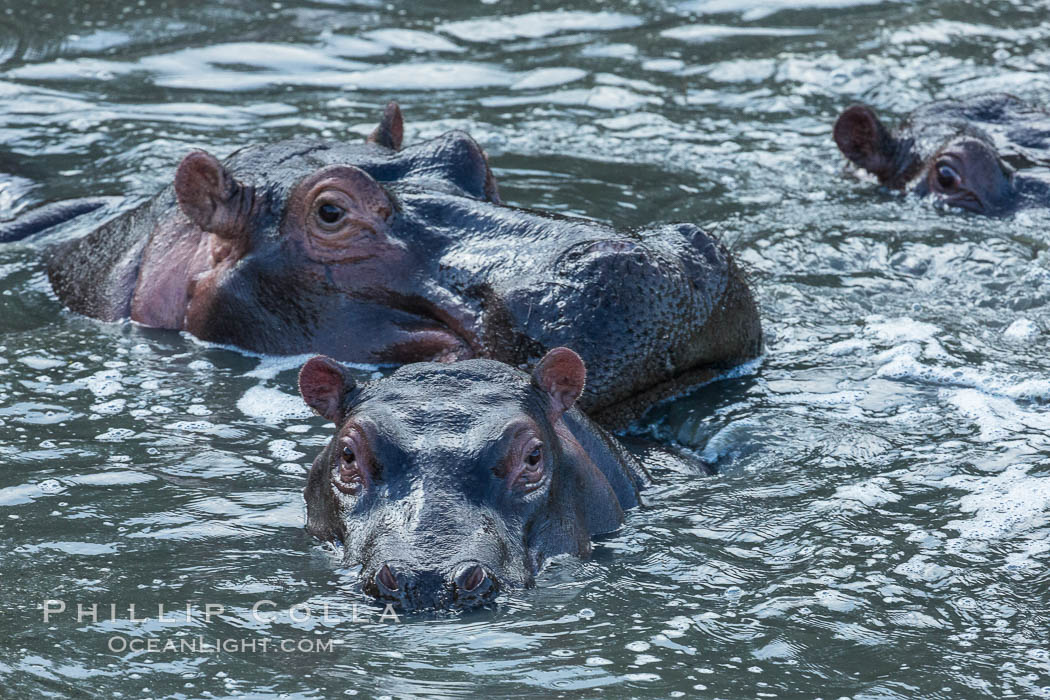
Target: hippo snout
{"points": [[467, 585]]}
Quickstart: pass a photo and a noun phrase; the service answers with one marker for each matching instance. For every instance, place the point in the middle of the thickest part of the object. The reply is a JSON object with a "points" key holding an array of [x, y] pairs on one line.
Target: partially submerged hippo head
{"points": [[970, 153], [449, 482], [369, 252]]}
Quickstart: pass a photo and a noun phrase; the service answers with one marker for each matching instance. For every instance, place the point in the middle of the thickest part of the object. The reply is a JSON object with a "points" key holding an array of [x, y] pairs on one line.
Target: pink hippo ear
{"points": [[391, 129], [562, 374], [864, 140], [210, 196], [324, 384]]}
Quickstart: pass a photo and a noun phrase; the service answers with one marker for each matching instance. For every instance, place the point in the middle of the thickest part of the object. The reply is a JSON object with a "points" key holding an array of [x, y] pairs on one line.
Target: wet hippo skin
{"points": [[447, 482], [370, 252]]}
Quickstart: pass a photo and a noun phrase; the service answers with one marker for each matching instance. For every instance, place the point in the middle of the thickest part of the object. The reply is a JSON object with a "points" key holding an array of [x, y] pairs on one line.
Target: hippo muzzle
{"points": [[435, 553]]}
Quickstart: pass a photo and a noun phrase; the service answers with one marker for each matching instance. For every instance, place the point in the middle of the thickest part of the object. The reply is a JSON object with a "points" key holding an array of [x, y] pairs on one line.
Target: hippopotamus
{"points": [[371, 252], [987, 153], [447, 482]]}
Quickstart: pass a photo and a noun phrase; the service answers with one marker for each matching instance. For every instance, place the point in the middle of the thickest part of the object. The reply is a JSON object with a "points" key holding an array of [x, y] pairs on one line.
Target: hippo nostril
{"points": [[473, 577], [474, 582], [386, 577]]}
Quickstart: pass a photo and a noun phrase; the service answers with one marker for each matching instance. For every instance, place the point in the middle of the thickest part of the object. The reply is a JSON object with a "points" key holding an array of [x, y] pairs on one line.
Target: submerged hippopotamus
{"points": [[368, 252], [448, 482], [986, 153]]}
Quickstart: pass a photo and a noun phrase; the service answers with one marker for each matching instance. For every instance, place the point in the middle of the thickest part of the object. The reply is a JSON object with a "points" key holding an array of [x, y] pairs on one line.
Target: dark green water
{"points": [[881, 526]]}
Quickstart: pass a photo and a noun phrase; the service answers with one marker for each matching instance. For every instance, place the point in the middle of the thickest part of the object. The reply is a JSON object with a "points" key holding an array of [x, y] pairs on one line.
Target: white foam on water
{"points": [[751, 10], [110, 408], [904, 366], [19, 495], [1038, 545], [272, 405], [846, 347], [535, 25], [915, 354], [907, 350], [898, 330], [1021, 330], [921, 570], [121, 477], [203, 427], [40, 363], [871, 493], [996, 417], [284, 450], [833, 398], [411, 40], [103, 383], [608, 97], [116, 435], [704, 33], [548, 77], [51, 486], [1004, 506], [271, 365], [89, 549]]}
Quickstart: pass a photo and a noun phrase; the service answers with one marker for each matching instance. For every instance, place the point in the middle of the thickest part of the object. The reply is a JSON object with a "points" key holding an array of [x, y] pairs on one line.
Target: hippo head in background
{"points": [[370, 252], [986, 154], [447, 482]]}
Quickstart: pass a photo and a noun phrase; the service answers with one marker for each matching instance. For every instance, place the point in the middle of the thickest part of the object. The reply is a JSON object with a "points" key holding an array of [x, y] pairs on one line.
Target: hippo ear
{"points": [[209, 195], [391, 129], [562, 374], [864, 140], [324, 385]]}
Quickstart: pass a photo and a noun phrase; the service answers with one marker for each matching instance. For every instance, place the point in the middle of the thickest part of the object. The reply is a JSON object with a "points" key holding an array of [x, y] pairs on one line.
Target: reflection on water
{"points": [[880, 527]]}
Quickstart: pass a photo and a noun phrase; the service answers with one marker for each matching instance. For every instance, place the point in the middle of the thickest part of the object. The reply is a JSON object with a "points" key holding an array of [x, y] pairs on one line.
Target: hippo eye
{"points": [[330, 214], [531, 472], [947, 176], [347, 476]]}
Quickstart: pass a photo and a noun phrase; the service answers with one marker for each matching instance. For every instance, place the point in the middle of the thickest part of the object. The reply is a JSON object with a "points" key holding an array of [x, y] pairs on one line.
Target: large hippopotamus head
{"points": [[370, 252], [447, 482], [971, 153]]}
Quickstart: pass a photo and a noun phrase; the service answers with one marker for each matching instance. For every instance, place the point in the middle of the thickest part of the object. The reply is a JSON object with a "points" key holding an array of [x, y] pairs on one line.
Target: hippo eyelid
{"points": [[521, 475], [355, 439], [506, 449]]}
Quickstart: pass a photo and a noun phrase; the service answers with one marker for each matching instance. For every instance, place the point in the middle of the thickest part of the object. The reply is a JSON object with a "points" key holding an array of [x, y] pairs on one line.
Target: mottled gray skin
{"points": [[432, 267], [447, 483], [987, 153]]}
